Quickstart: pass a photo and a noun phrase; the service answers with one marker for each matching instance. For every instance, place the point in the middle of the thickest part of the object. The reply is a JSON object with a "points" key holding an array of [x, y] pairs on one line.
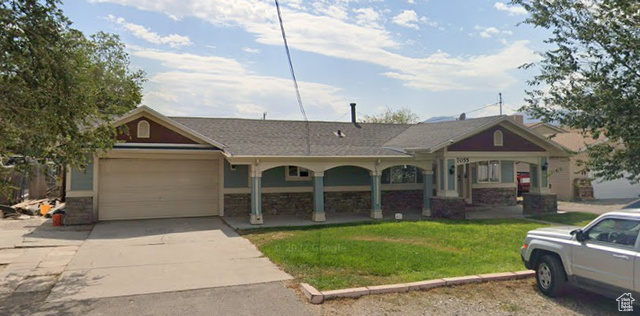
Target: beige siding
{"points": [[561, 180], [148, 188], [522, 167], [544, 130]]}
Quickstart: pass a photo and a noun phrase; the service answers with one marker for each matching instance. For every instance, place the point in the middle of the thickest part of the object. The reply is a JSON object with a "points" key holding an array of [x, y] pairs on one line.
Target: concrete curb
{"points": [[318, 297]]}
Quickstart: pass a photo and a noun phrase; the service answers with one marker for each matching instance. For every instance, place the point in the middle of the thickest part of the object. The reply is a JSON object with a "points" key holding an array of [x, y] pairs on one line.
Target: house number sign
{"points": [[462, 160]]}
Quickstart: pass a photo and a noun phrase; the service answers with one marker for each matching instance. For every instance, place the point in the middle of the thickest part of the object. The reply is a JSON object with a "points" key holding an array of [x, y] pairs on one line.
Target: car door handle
{"points": [[623, 257]]}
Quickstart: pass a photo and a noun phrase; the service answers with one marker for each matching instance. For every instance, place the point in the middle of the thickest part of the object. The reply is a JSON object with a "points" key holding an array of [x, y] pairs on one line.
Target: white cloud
{"points": [[333, 37], [511, 10], [488, 32], [251, 50], [368, 17], [408, 18], [212, 85], [139, 31], [337, 11], [411, 1]]}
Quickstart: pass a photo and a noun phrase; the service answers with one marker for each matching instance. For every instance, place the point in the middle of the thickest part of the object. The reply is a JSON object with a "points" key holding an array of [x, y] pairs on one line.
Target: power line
{"points": [[467, 112], [293, 76], [484, 107]]}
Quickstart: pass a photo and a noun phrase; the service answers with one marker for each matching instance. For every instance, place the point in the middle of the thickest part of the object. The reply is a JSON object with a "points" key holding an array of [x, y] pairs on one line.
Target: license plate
{"points": [[525, 180]]}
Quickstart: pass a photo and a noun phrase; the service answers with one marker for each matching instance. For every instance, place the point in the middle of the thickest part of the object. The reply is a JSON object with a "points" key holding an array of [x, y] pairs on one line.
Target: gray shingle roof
{"points": [[288, 138], [430, 135]]}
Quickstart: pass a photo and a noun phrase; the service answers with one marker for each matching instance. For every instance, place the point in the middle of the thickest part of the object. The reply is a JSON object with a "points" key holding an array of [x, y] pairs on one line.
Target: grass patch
{"points": [[571, 218], [340, 256]]}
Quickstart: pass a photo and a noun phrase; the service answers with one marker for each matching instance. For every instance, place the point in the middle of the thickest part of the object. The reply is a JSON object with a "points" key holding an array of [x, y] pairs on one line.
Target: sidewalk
{"points": [[33, 254]]}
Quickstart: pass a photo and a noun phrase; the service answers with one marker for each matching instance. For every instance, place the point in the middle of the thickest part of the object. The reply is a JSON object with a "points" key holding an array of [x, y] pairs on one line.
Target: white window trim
{"points": [[488, 181], [498, 141], [288, 177], [148, 129]]}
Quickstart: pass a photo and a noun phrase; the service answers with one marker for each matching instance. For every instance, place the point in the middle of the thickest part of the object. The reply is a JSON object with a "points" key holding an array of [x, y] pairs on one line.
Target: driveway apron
{"points": [[163, 255]]}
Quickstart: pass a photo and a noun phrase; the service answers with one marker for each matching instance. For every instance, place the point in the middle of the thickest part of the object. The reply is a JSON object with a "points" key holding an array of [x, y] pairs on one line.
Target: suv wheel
{"points": [[550, 276]]}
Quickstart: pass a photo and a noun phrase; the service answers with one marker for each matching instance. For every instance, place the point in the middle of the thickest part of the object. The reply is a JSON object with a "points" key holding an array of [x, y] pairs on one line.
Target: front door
{"points": [[606, 258]]}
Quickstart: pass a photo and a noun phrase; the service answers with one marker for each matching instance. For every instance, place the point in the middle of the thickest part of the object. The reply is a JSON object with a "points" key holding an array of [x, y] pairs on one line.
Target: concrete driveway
{"points": [[151, 256]]}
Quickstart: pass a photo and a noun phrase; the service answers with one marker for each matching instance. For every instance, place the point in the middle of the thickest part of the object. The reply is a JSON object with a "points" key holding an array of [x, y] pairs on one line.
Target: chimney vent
{"points": [[353, 115]]}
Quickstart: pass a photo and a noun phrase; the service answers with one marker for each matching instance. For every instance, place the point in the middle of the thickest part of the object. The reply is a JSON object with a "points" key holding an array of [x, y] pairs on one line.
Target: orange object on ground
{"points": [[57, 219], [44, 208]]}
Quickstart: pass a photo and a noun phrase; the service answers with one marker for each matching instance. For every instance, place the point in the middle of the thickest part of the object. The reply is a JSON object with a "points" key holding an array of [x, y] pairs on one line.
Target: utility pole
{"points": [[264, 116], [500, 95]]}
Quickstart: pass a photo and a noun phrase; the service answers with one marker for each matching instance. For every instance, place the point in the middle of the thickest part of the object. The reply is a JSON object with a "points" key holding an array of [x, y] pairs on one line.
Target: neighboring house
{"points": [[187, 166], [566, 170]]}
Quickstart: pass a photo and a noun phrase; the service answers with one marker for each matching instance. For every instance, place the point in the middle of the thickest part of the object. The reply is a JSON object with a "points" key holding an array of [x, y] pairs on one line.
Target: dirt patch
{"points": [[413, 242], [494, 298]]}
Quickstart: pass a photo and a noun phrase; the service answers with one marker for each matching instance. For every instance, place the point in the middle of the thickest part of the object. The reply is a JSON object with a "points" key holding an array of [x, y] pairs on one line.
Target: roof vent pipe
{"points": [[353, 115]]}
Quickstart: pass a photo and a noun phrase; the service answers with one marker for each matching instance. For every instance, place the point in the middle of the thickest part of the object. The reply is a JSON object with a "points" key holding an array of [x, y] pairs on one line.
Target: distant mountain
{"points": [[439, 119], [435, 119]]}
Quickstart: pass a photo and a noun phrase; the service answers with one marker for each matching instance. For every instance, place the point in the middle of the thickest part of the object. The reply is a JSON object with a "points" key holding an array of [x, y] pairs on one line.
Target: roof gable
{"points": [[483, 141], [171, 130], [431, 137], [158, 134]]}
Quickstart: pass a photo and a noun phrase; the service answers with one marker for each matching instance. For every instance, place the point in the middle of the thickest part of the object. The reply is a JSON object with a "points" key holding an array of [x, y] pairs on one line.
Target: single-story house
{"points": [[194, 166]]}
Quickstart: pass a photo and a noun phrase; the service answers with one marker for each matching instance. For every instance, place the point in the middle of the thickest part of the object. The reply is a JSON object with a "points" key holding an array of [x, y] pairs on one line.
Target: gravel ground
{"points": [[596, 206], [495, 298]]}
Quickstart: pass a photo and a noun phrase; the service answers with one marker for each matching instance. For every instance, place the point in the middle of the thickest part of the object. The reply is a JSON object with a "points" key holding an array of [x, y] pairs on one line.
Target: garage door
{"points": [[147, 188]]}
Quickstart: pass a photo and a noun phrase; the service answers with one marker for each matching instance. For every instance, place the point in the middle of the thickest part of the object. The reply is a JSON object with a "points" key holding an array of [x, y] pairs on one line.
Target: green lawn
{"points": [[572, 218], [333, 257]]}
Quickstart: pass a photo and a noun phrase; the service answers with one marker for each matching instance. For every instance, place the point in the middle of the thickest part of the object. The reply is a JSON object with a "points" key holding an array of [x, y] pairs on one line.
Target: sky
{"points": [[222, 58]]}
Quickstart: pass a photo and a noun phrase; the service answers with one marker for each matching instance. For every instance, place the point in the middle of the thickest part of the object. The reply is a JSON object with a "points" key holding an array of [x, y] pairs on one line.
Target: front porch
{"points": [[473, 213]]}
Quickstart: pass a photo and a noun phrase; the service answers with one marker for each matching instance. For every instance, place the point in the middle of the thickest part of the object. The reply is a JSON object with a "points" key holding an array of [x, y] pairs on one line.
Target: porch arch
{"points": [[405, 196]]}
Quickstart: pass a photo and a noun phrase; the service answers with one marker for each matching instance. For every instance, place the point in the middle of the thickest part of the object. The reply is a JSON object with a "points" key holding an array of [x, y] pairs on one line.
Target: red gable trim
{"points": [[158, 134], [483, 141]]}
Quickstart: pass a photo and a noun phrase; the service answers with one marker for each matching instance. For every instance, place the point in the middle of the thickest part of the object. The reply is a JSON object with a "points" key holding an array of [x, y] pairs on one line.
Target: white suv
{"points": [[601, 257]]}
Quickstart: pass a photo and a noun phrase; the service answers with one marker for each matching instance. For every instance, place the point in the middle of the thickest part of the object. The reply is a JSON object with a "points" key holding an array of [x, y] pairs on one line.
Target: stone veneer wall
{"points": [[400, 201], [79, 211], [272, 204], [347, 202], [448, 207], [495, 196], [237, 205], [334, 202], [533, 203]]}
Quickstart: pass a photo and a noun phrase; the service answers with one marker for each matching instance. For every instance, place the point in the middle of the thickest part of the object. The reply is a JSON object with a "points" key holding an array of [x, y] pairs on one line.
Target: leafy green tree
{"points": [[400, 116], [59, 89], [590, 77]]}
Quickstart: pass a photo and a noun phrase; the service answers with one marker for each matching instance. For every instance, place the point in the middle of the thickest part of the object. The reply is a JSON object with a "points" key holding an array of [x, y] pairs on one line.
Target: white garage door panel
{"points": [[145, 188]]}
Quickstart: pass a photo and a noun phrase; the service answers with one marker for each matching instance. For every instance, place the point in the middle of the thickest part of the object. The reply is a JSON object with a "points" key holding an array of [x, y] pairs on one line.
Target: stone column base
{"points": [[448, 207], [318, 217], [426, 212], [256, 219], [79, 211], [376, 214], [536, 203]]}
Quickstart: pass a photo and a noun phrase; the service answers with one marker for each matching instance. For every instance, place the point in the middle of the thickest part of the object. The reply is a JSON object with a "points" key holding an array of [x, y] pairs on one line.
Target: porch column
{"points": [[376, 196], [544, 175], [256, 197], [318, 197], [539, 174], [427, 181], [450, 178]]}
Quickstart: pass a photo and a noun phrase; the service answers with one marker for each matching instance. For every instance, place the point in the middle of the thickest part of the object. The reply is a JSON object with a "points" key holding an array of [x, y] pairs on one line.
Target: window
{"points": [[497, 138], [143, 129], [294, 173], [489, 171], [402, 174], [615, 231]]}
